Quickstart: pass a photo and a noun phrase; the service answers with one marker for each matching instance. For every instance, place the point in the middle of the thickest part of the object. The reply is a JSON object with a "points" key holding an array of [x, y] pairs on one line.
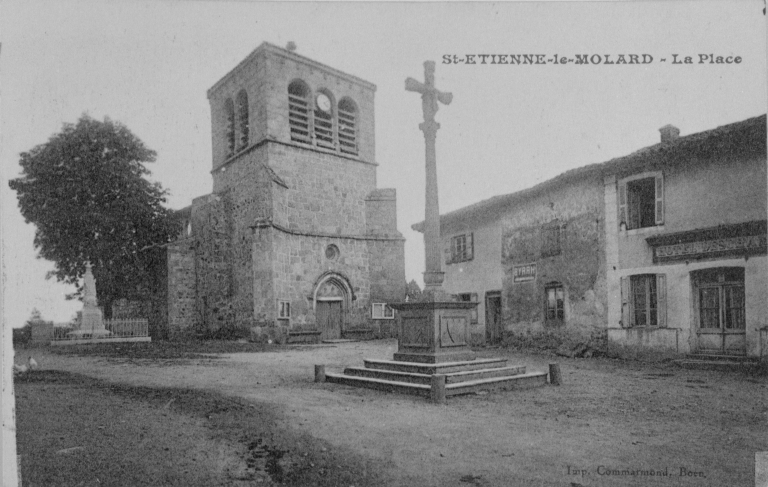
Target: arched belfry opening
{"points": [[332, 297]]}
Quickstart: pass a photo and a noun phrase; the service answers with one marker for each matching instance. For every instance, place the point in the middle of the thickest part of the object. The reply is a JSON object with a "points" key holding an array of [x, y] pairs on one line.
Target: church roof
{"points": [[279, 51], [747, 135]]}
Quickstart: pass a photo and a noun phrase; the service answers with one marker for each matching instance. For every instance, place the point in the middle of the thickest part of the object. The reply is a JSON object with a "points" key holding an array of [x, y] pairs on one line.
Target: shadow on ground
{"points": [[76, 430]]}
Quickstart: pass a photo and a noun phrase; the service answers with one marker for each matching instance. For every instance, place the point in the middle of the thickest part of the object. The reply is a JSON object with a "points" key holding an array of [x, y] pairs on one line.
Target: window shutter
{"points": [[447, 251], [661, 300], [625, 304], [473, 298], [623, 204], [659, 200], [470, 246]]}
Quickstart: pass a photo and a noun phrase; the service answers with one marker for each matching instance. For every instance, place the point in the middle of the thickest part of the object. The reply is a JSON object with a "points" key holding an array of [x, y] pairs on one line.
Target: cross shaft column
{"points": [[433, 275]]}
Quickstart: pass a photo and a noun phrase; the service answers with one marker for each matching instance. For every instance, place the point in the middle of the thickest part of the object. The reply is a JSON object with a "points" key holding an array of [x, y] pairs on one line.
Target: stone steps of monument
{"points": [[378, 384], [389, 375], [512, 382], [473, 375], [438, 368], [522, 381], [450, 378]]}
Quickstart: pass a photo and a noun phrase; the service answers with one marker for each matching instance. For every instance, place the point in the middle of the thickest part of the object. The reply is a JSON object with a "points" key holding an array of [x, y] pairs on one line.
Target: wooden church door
{"points": [[329, 317]]}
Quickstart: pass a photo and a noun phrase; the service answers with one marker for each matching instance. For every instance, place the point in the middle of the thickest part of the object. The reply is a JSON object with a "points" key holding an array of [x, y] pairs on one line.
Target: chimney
{"points": [[669, 133]]}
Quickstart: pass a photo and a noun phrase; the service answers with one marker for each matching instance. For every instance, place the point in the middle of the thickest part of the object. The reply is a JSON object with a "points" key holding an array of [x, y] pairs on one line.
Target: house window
{"points": [[644, 300], [323, 121], [461, 250], [550, 240], [382, 311], [283, 310], [347, 126], [470, 298], [641, 202], [555, 302], [298, 112], [721, 298], [242, 112], [229, 111]]}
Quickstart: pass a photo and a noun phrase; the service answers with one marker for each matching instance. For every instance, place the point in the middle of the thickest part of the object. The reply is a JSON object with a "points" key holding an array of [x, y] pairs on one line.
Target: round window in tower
{"points": [[331, 252]]}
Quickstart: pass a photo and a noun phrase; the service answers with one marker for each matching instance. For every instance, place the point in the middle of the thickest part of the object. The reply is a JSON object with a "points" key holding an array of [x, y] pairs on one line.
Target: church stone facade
{"points": [[295, 235]]}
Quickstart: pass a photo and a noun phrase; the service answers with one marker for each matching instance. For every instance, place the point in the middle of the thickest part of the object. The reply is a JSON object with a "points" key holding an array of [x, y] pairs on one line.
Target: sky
{"points": [[148, 65]]}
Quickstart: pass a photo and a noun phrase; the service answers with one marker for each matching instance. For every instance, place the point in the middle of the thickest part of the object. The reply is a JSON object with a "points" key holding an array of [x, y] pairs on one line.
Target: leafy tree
{"points": [[86, 192], [412, 291]]}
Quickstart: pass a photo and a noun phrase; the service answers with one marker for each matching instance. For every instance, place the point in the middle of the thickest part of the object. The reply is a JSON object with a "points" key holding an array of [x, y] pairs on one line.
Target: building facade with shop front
{"points": [[664, 247], [686, 242]]}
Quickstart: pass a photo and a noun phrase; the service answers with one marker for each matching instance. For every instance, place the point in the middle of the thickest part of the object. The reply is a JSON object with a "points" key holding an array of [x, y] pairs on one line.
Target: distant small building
{"points": [[665, 247]]}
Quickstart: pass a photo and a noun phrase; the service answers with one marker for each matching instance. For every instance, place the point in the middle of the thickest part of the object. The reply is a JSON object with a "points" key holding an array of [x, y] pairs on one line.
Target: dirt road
{"points": [[611, 424]]}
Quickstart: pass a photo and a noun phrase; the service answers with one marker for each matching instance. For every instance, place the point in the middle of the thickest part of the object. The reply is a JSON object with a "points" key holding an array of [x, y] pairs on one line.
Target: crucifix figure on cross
{"points": [[429, 94]]}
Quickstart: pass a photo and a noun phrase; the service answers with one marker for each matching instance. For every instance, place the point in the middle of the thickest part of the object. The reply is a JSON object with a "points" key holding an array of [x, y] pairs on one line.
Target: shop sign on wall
{"points": [[524, 273]]}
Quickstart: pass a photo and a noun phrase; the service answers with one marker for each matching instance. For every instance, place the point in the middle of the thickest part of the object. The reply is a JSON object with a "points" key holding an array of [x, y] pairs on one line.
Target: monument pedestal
{"points": [[91, 324], [92, 319], [434, 331]]}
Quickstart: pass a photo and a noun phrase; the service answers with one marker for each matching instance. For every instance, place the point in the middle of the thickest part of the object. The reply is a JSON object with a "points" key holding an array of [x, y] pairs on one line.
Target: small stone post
{"points": [[554, 375], [437, 389], [319, 373]]}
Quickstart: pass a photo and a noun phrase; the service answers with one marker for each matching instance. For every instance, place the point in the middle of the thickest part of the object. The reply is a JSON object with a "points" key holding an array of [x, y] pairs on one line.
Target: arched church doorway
{"points": [[331, 298]]}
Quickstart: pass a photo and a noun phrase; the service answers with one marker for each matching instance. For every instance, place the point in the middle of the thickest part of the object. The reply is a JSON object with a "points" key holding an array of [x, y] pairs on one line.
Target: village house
{"points": [[685, 241], [530, 259], [295, 236], [665, 247]]}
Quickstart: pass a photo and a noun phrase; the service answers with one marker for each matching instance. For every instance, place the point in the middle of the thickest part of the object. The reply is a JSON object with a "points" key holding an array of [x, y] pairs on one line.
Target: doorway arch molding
{"points": [[337, 279]]}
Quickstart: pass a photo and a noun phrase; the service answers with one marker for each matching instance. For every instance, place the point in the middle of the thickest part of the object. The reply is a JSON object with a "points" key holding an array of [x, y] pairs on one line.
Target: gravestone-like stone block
{"points": [[416, 331], [434, 332], [453, 331]]}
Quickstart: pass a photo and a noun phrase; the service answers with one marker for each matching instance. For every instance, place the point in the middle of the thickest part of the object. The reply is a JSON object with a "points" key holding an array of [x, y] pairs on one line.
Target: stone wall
{"points": [[387, 280], [248, 76], [381, 212], [579, 266], [299, 261], [212, 230], [324, 194], [182, 305]]}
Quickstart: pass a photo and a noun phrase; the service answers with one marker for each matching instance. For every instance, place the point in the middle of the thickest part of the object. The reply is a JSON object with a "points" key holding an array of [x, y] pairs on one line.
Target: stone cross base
{"points": [[434, 331]]}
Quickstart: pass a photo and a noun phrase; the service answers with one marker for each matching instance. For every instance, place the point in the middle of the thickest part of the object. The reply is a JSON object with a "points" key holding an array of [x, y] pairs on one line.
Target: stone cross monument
{"points": [[430, 96], [92, 322], [436, 328]]}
